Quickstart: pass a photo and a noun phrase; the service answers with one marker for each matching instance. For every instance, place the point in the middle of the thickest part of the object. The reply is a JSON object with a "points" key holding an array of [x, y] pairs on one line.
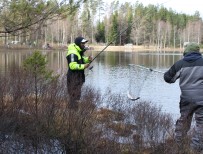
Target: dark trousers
{"points": [[187, 110], [74, 91]]}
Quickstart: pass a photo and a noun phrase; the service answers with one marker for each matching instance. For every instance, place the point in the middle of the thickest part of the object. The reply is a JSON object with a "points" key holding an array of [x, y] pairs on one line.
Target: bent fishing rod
{"points": [[116, 36], [99, 54]]}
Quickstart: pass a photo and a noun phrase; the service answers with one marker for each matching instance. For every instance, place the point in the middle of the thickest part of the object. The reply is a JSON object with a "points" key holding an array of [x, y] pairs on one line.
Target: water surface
{"points": [[117, 71]]}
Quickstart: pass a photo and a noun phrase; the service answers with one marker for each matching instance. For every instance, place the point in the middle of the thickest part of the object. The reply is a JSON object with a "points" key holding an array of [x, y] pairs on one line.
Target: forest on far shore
{"points": [[35, 23]]}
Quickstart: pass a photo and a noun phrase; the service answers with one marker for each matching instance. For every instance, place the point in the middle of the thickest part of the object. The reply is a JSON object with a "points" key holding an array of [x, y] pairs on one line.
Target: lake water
{"points": [[118, 72]]}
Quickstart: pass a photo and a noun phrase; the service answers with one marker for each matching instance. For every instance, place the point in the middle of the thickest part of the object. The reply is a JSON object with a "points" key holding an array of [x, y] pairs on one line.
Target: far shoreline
{"points": [[123, 48], [134, 48]]}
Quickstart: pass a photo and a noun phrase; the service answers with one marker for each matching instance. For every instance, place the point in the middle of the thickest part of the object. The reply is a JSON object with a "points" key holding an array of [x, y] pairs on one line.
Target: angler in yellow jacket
{"points": [[77, 63]]}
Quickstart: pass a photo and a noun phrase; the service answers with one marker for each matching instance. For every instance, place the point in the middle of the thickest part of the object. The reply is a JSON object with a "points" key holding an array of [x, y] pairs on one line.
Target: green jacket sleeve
{"points": [[76, 66]]}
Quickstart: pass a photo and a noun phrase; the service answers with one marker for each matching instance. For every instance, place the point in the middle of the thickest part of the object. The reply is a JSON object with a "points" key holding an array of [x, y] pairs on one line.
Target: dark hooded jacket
{"points": [[189, 71]]}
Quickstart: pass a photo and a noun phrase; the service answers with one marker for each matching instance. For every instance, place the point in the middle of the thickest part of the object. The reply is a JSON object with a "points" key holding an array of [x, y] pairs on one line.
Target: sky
{"points": [[180, 6]]}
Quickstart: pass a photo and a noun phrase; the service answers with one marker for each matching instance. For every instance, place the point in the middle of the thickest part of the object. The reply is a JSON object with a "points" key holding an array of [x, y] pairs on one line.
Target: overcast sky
{"points": [[180, 6]]}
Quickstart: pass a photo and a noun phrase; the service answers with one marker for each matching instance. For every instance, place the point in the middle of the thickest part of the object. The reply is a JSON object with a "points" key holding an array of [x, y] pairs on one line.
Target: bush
{"points": [[47, 125]]}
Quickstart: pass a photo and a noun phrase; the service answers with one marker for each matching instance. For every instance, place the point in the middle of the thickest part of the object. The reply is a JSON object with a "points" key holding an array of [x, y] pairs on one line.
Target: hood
{"points": [[73, 46], [192, 56]]}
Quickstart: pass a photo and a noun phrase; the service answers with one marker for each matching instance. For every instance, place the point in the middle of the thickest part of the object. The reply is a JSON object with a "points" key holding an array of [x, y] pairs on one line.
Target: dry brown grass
{"points": [[57, 129]]}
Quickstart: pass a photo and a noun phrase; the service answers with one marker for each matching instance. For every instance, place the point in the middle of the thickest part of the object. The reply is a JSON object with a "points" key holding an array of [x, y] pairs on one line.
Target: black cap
{"points": [[79, 40]]}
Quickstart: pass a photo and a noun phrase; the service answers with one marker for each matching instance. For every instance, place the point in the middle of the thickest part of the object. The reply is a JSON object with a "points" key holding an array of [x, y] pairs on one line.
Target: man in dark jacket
{"points": [[77, 63], [189, 71]]}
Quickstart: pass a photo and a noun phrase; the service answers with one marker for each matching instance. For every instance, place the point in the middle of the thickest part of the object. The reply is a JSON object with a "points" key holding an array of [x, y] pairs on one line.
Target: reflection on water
{"points": [[111, 71], [9, 58]]}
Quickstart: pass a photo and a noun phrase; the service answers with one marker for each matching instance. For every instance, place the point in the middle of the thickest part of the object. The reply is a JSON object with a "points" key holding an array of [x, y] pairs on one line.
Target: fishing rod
{"points": [[101, 51], [116, 36], [91, 67], [150, 69]]}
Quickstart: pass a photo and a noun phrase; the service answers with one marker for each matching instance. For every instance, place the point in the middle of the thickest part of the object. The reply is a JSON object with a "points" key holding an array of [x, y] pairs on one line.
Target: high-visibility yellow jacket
{"points": [[76, 60]]}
